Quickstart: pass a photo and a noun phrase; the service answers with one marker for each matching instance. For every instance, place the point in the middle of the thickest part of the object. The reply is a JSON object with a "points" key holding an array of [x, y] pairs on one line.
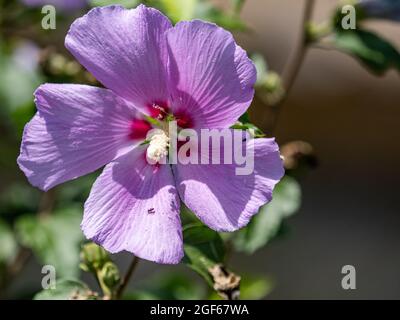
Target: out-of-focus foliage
{"points": [[19, 198], [252, 288], [125, 3], [376, 53], [51, 235], [66, 289], [8, 244], [19, 77], [181, 10], [203, 249], [379, 9], [266, 224], [245, 123], [168, 286], [373, 51], [269, 85]]}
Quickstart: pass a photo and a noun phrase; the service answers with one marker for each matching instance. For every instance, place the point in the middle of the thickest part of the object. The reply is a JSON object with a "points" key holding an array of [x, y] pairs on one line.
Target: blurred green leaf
{"points": [[237, 6], [255, 287], [261, 66], [374, 52], [187, 216], [203, 248], [19, 198], [244, 123], [254, 131], [179, 10], [65, 290], [184, 10], [17, 82], [76, 190], [230, 22], [269, 85], [125, 3], [266, 224], [54, 239], [251, 288], [168, 286], [8, 244]]}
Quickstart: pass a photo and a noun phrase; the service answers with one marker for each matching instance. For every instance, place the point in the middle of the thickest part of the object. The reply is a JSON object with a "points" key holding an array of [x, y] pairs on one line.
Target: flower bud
{"points": [[109, 275], [93, 257]]}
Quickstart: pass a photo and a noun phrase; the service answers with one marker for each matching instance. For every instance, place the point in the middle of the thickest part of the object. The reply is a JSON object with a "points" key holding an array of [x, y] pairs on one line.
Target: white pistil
{"points": [[158, 146]]}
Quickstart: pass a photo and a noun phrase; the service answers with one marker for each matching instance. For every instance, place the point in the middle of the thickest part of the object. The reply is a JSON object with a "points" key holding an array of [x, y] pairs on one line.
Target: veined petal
{"points": [[224, 200], [76, 130], [134, 206], [125, 50], [211, 77]]}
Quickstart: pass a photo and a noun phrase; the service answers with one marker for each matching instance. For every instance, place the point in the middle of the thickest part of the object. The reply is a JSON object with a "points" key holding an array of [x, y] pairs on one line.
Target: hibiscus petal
{"points": [[125, 50], [224, 200], [211, 77], [134, 206], [76, 130]]}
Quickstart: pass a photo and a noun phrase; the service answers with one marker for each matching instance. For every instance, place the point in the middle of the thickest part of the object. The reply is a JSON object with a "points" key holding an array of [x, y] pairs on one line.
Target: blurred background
{"points": [[349, 214]]}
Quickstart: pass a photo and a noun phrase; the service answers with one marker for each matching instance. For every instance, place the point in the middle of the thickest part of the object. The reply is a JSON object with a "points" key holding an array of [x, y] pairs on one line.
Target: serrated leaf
{"points": [[374, 52], [203, 248], [55, 239], [266, 224], [65, 290]]}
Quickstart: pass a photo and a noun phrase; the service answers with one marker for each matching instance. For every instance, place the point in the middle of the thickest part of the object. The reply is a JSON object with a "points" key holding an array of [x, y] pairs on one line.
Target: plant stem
{"points": [[295, 60], [128, 275]]}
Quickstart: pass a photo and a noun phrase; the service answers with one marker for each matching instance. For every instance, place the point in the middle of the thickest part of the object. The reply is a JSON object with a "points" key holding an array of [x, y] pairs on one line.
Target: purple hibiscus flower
{"points": [[382, 9], [65, 5], [193, 72]]}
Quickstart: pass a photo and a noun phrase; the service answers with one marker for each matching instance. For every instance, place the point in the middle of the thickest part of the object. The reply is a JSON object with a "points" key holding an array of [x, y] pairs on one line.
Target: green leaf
{"points": [[230, 22], [126, 3], [18, 198], [179, 10], [244, 123], [76, 190], [251, 288], [237, 6], [254, 131], [65, 290], [374, 52], [17, 83], [261, 67], [8, 244], [203, 248], [187, 216], [266, 224], [168, 286], [184, 10], [55, 239], [255, 287]]}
